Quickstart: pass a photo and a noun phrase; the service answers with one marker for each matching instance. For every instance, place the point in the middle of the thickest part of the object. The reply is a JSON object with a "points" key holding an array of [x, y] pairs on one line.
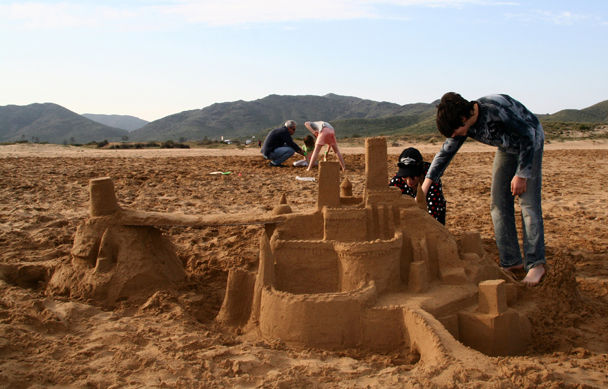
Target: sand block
{"points": [[418, 280], [329, 184], [507, 333], [236, 307], [512, 293], [102, 197], [492, 297], [376, 158]]}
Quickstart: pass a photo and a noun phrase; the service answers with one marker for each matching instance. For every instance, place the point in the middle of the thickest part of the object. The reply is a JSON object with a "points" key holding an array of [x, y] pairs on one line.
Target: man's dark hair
{"points": [[451, 110]]}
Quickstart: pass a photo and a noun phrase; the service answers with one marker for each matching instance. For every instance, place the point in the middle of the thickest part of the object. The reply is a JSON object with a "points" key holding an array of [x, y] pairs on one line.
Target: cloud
{"points": [[147, 13], [38, 15], [563, 18], [234, 12], [45, 15]]}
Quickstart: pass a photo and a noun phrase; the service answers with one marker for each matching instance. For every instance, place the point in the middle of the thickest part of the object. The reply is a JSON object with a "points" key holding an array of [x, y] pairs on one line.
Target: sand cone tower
{"points": [[282, 207]]}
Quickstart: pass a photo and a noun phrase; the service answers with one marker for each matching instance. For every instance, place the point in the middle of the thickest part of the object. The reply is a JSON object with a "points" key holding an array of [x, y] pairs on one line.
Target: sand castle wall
{"points": [[383, 329], [345, 225], [329, 320], [305, 266], [377, 261], [301, 226]]}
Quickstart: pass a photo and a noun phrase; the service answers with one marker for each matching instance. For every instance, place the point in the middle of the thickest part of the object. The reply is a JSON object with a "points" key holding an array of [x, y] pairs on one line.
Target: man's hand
{"points": [[518, 185]]}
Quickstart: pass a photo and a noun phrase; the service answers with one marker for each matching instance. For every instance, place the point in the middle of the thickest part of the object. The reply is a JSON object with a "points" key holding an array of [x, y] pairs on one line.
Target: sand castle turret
{"points": [[102, 197]]}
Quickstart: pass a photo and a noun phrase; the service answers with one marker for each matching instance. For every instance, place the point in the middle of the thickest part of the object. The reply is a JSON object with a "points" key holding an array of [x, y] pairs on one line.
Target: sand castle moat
{"points": [[375, 272]]}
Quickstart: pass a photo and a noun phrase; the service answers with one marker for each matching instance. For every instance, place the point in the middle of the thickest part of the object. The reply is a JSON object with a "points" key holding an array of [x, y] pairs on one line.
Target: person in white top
{"points": [[326, 135]]}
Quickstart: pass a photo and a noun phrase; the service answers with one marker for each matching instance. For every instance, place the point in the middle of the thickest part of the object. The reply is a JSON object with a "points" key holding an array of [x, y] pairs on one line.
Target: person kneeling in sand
{"points": [[326, 135], [279, 146], [412, 169]]}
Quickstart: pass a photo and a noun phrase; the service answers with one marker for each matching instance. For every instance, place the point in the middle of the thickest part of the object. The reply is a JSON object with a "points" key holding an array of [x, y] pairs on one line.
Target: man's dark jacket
{"points": [[278, 137]]}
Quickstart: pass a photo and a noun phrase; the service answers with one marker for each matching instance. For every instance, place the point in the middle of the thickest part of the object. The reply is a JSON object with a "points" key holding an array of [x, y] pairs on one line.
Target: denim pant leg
{"points": [[532, 216], [281, 154], [503, 210]]}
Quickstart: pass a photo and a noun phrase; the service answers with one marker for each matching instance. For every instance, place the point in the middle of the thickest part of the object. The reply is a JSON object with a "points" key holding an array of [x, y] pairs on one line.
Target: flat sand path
{"points": [[52, 150]]}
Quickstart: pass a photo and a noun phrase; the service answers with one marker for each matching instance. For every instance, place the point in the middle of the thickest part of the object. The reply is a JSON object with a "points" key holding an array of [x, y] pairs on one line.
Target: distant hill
{"points": [[246, 118], [51, 123], [597, 113], [351, 116], [125, 122]]}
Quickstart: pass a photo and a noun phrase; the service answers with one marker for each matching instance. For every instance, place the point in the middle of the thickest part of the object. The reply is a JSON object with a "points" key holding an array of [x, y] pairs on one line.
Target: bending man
{"points": [[501, 121]]}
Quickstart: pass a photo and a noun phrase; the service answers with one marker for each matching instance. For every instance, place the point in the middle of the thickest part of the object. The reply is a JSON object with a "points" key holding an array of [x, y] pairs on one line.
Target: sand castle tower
{"points": [[375, 272]]}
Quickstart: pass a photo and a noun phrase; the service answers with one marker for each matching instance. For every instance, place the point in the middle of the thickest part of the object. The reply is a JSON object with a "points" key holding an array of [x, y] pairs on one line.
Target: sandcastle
{"points": [[374, 272]]}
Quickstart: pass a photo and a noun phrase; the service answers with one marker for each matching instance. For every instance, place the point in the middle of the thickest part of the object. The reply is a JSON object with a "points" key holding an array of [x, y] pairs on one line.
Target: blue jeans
{"points": [[503, 212], [280, 155]]}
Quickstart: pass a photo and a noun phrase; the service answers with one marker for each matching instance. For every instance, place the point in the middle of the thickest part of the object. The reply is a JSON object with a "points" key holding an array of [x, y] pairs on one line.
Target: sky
{"points": [[154, 58]]}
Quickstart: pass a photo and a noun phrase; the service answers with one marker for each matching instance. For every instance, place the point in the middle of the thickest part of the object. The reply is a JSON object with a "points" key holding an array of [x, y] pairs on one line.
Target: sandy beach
{"points": [[50, 339]]}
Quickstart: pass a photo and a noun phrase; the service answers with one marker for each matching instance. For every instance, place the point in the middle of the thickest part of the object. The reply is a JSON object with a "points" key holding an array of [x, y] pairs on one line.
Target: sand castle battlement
{"points": [[375, 271]]}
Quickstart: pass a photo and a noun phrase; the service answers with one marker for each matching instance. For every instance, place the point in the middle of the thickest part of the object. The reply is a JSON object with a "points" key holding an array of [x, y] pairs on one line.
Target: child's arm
{"points": [[314, 156], [312, 130]]}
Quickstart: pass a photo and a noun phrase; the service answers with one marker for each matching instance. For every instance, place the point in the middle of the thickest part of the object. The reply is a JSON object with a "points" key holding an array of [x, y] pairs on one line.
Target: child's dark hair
{"points": [[309, 141], [450, 111]]}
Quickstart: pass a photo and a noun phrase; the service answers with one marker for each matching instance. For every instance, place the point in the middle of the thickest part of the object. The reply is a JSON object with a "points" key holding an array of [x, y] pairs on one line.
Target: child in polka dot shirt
{"points": [[412, 170]]}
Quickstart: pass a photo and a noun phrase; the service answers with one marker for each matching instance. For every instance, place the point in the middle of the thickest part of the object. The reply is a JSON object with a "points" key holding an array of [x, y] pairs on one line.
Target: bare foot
{"points": [[534, 275], [514, 267]]}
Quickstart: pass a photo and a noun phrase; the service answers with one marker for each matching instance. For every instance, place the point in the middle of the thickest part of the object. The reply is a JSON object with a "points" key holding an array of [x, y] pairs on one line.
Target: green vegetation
{"points": [[561, 131]]}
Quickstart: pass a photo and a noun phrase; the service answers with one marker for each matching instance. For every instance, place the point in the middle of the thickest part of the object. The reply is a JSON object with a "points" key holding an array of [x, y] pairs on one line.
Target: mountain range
{"points": [[51, 123], [351, 116], [125, 122]]}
